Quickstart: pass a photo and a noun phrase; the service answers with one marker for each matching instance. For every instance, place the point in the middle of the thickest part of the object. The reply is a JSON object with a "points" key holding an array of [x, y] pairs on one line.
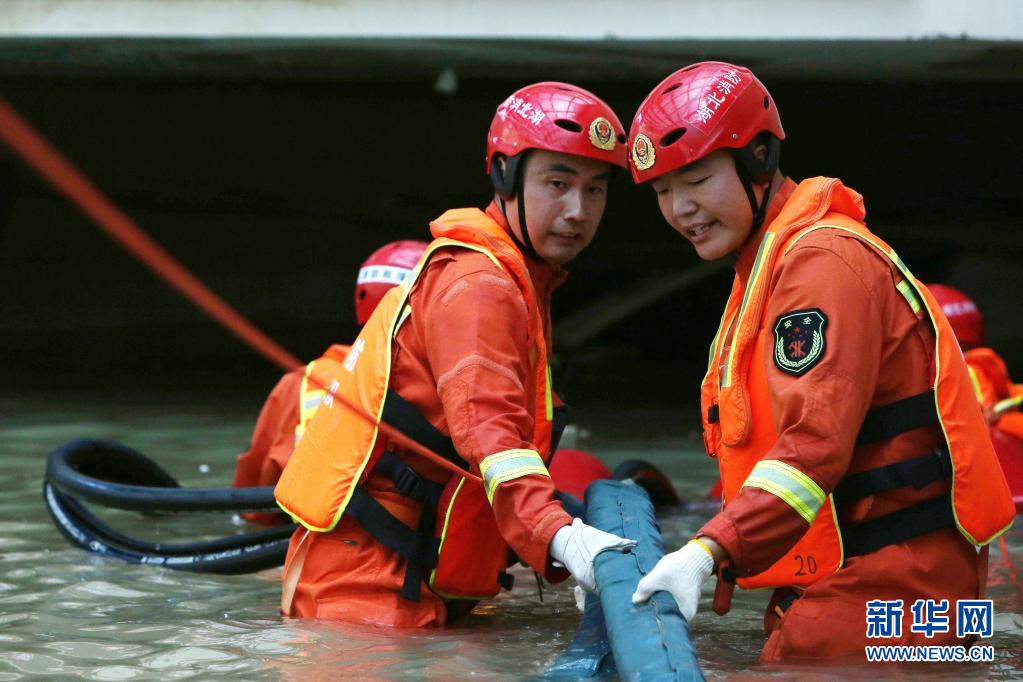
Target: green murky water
{"points": [[70, 615]]}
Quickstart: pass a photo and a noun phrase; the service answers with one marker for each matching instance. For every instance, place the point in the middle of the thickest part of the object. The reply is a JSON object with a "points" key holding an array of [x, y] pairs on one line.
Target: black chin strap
{"points": [[525, 244], [508, 184], [759, 210], [752, 169]]}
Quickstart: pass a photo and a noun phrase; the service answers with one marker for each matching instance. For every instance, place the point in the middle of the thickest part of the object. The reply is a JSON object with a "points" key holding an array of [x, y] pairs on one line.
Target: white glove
{"points": [[680, 573], [575, 547]]}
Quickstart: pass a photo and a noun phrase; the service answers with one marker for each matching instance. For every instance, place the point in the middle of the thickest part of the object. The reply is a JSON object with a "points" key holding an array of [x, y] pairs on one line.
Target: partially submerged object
{"points": [[113, 475], [645, 642]]}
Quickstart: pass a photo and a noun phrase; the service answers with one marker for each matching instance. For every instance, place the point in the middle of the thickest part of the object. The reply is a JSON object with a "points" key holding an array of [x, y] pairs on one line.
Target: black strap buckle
{"points": [[408, 483]]}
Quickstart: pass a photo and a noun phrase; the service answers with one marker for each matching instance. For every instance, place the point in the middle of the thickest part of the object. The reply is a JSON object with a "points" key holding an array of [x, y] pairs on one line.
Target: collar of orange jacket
{"points": [[800, 205], [546, 276]]}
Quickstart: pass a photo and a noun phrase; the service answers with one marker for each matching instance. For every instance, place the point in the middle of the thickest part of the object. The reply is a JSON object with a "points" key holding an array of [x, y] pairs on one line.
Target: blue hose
{"points": [[650, 641]]}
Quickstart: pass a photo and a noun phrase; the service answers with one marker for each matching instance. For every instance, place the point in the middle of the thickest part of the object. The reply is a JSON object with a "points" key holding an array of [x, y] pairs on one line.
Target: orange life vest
{"points": [[739, 428], [465, 552], [314, 382]]}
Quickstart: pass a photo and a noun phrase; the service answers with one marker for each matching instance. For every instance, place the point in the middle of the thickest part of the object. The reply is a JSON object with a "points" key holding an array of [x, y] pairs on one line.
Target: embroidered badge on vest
{"points": [[799, 340]]}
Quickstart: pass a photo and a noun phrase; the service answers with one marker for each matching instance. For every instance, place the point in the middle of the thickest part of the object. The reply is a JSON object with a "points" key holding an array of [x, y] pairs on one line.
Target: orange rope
{"points": [[25, 141], [67, 180]]}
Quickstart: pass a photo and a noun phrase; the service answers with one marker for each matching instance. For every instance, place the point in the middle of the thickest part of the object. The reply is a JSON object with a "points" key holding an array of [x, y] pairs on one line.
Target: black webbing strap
{"points": [[412, 485], [425, 557], [917, 472], [418, 546], [907, 414], [378, 522], [562, 415], [401, 414], [905, 524]]}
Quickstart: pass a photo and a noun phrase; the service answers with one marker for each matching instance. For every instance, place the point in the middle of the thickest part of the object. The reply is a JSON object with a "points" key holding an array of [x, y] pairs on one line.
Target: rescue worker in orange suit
{"points": [[456, 359], [821, 401], [295, 398], [999, 397]]}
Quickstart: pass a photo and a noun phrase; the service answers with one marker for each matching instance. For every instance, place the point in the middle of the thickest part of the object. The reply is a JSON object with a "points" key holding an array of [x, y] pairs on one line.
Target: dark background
{"points": [[272, 173]]}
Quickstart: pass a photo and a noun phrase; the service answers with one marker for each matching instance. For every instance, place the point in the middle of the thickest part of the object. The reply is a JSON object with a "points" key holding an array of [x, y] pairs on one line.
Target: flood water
{"points": [[66, 614]]}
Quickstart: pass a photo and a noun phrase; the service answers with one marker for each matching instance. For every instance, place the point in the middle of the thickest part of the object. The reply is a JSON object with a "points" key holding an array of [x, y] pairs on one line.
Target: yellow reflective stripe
{"points": [[549, 397], [790, 484], [1007, 404], [712, 356], [447, 520], [508, 465], [309, 401], [976, 384], [907, 293], [401, 320], [765, 246]]}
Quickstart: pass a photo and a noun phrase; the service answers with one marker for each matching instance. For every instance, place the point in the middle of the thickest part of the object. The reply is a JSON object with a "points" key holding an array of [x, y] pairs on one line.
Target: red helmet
{"points": [[699, 109], [557, 117], [386, 267], [962, 313]]}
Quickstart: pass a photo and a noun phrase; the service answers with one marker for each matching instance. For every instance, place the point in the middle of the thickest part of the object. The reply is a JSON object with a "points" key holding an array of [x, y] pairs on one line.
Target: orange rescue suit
{"points": [[1000, 398], [464, 342], [788, 427], [1001, 401], [287, 409]]}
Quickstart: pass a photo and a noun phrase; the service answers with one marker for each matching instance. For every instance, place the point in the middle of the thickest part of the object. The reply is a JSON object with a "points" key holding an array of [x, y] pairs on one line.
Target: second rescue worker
{"points": [[456, 357], [854, 458]]}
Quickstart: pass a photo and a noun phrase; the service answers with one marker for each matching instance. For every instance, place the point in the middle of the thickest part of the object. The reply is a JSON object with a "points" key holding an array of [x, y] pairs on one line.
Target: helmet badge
{"points": [[602, 134], [643, 155]]}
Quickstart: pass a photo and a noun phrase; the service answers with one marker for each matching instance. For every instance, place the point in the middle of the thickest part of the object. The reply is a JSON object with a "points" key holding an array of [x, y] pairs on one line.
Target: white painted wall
{"points": [[571, 19]]}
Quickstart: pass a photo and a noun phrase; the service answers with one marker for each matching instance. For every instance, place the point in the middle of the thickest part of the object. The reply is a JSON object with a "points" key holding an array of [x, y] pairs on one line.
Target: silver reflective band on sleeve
{"points": [[790, 484], [508, 465]]}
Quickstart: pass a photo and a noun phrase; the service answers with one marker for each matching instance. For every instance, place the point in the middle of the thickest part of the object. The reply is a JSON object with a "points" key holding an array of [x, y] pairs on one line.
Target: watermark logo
{"points": [[931, 617], [884, 618], [975, 617]]}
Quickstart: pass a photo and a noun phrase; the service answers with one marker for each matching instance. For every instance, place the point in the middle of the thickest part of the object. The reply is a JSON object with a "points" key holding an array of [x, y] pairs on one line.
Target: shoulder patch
{"points": [[799, 341]]}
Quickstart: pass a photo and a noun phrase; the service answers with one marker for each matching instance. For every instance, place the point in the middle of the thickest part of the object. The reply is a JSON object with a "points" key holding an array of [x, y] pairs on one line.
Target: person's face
{"points": [[565, 198], [705, 202]]}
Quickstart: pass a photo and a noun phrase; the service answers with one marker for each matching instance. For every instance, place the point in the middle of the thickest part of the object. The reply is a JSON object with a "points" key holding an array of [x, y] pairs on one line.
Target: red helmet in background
{"points": [[696, 110], [557, 117], [386, 267], [962, 313]]}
